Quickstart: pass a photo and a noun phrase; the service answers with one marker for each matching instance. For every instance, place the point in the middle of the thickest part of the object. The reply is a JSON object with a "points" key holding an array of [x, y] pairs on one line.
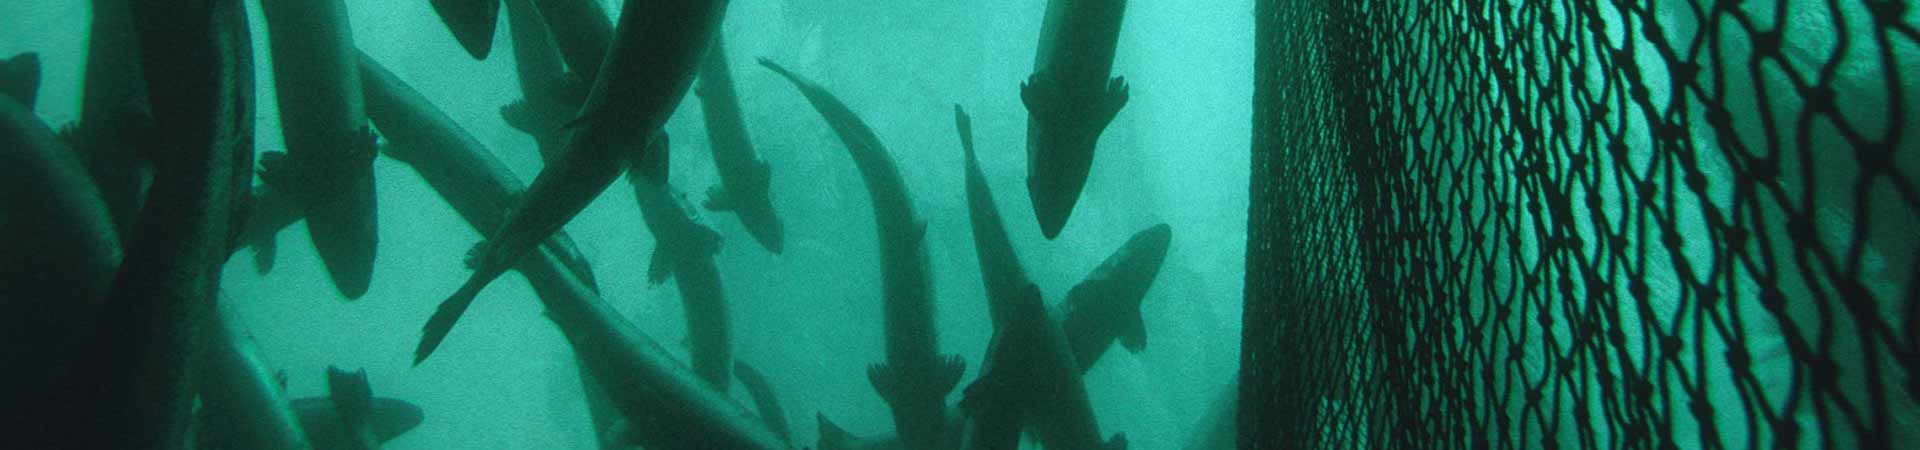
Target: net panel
{"points": [[1584, 224]]}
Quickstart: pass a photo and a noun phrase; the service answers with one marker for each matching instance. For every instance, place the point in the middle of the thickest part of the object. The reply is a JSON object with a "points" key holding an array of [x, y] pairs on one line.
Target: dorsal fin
{"points": [[20, 78]]}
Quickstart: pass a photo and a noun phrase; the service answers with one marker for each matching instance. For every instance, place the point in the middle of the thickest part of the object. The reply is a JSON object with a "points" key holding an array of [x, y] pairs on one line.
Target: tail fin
{"points": [[1119, 442], [964, 124], [20, 78], [520, 115], [1132, 330], [352, 395], [763, 398], [449, 312]]}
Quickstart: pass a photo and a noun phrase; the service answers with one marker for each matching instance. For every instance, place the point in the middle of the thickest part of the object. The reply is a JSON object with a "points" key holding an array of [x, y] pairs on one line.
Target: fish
{"points": [[683, 250], [1029, 378], [647, 71], [330, 150], [243, 403], [20, 78], [387, 417], [133, 380], [476, 184], [1070, 100], [915, 379], [58, 251], [1105, 307], [114, 115], [744, 177], [471, 22]]}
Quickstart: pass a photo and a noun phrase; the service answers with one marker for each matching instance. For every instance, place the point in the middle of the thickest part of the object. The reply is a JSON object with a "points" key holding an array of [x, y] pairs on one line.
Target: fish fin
{"points": [[472, 23], [1133, 331], [446, 315], [20, 78], [70, 133], [885, 380], [948, 374], [351, 394], [1039, 94], [717, 199], [764, 399], [832, 437], [1119, 442], [661, 265], [964, 125], [1110, 102], [520, 115], [265, 250]]}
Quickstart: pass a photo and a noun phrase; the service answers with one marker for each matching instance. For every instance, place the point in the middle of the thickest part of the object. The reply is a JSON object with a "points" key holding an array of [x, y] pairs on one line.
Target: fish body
{"points": [[1069, 102], [915, 379], [744, 178], [1030, 376], [114, 115], [330, 149], [1105, 307], [133, 383], [683, 250]]}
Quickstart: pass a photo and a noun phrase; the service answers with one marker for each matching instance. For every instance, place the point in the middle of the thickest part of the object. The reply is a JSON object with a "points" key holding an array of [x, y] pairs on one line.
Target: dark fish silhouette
{"points": [[132, 385], [58, 251], [915, 379], [683, 249], [328, 165], [1029, 379], [114, 116], [1069, 103], [1105, 307], [744, 178], [648, 70], [20, 78]]}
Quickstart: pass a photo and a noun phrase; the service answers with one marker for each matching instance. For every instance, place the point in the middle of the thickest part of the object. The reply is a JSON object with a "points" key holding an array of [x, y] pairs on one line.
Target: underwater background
{"points": [[809, 317]]}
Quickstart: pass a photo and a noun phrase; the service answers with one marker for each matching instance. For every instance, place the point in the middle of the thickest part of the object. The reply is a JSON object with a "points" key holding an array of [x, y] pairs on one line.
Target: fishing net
{"points": [[1584, 224]]}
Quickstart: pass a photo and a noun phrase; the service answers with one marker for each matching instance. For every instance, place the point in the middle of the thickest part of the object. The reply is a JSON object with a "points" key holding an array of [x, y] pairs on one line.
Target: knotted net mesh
{"points": [[1584, 224]]}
